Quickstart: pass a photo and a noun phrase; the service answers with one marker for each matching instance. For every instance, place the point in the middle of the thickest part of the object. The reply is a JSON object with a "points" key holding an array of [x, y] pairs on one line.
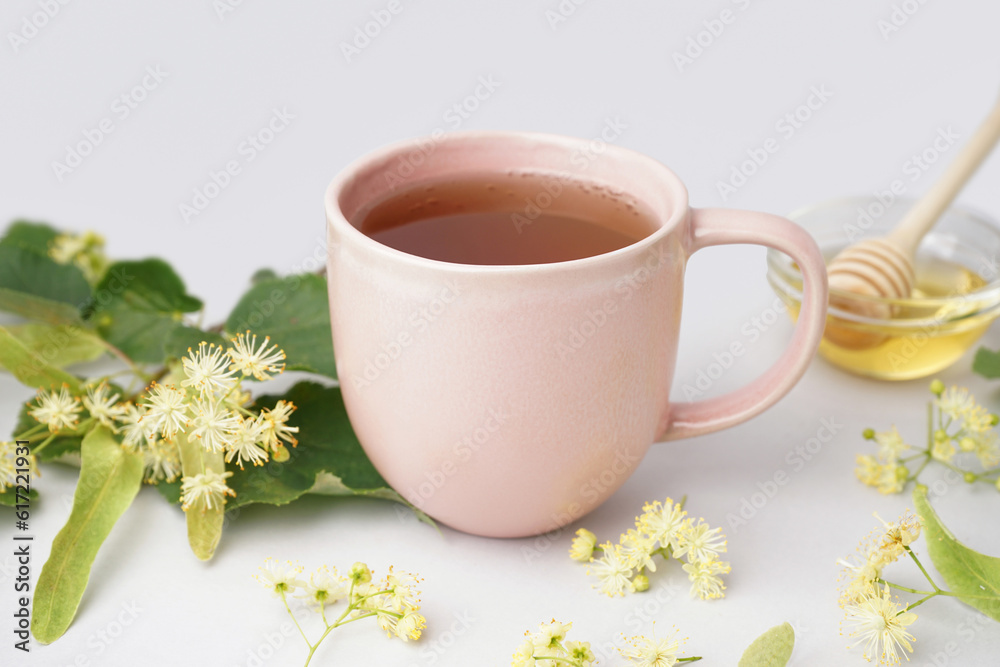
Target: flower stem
{"points": [[693, 658], [920, 565], [918, 602], [39, 448], [34, 430], [284, 600], [898, 587]]}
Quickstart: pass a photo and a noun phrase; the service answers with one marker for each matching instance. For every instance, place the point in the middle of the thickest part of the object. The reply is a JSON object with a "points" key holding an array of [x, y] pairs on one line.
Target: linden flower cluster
{"points": [[548, 647], [664, 529], [957, 427], [207, 408], [85, 251], [871, 613], [392, 601], [9, 465]]}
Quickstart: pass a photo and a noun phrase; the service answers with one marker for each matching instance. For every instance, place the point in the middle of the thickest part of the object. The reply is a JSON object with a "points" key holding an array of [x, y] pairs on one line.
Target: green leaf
{"points": [[171, 491], [59, 345], [295, 313], [966, 572], [109, 479], [138, 306], [29, 368], [328, 459], [263, 275], [182, 339], [36, 236], [31, 272], [771, 649], [8, 497], [36, 308], [987, 363], [61, 446], [205, 525]]}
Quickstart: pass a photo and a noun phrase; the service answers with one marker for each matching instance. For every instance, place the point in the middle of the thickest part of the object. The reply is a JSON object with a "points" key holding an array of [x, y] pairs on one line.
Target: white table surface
{"points": [[225, 75]]}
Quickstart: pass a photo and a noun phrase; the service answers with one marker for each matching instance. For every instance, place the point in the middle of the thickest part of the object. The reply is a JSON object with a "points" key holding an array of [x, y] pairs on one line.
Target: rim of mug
{"points": [[345, 177]]}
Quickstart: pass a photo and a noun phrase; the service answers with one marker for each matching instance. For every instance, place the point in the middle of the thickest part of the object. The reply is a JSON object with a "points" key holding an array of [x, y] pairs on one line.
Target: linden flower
{"points": [[956, 402], [135, 429], [987, 448], [207, 490], [259, 362], [880, 625], [662, 522], [324, 588], [646, 652], [280, 579], [163, 462], [243, 444], [56, 410], [410, 626], [942, 448], [898, 536], [275, 427], [402, 591], [637, 549], [524, 656], [699, 542], [580, 652], [359, 574], [887, 478], [550, 636], [166, 409], [613, 570], [102, 407], [85, 250], [9, 465], [703, 574], [213, 425], [890, 444], [582, 548], [862, 576], [206, 369]]}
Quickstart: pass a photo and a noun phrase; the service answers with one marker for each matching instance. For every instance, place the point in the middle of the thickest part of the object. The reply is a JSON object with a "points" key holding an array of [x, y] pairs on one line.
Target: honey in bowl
{"points": [[927, 333]]}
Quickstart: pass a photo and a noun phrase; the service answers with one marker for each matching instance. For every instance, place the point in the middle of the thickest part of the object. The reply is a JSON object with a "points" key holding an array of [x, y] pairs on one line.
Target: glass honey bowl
{"points": [[956, 297]]}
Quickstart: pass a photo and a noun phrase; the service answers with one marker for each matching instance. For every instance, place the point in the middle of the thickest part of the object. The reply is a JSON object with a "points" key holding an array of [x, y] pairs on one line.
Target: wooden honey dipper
{"points": [[883, 267]]}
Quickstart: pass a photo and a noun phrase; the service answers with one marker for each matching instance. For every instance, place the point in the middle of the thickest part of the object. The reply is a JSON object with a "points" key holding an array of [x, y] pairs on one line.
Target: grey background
{"points": [[225, 74]]}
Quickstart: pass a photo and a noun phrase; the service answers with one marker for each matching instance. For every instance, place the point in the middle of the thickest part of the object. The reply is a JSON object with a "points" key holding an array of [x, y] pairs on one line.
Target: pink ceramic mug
{"points": [[465, 383]]}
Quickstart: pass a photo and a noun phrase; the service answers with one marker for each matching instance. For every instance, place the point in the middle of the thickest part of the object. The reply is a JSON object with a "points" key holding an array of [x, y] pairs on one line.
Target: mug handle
{"points": [[717, 226]]}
